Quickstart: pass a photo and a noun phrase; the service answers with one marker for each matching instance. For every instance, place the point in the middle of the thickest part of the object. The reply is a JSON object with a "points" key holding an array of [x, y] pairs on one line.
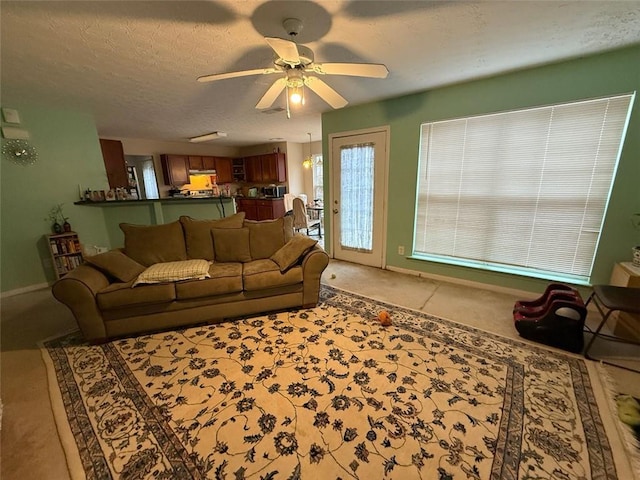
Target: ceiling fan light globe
{"points": [[296, 98]]}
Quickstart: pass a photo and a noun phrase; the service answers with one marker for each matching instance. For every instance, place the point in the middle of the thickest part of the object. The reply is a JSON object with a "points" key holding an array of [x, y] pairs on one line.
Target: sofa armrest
{"points": [[78, 290], [313, 264]]}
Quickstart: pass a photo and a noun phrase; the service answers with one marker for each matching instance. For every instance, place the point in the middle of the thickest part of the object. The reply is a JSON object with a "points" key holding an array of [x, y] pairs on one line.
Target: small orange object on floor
{"points": [[385, 318]]}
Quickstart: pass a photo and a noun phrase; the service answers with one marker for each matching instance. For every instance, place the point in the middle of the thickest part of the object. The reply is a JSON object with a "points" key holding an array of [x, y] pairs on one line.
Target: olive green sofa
{"points": [[245, 267]]}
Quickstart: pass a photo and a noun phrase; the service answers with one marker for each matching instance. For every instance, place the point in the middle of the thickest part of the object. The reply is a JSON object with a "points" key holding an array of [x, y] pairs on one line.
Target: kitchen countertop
{"points": [[121, 203]]}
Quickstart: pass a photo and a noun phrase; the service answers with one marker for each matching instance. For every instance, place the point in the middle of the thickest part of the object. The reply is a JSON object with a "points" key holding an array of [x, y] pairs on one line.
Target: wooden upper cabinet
{"points": [[274, 168], [114, 164], [253, 168], [224, 169], [209, 163], [175, 169], [195, 163], [269, 167]]}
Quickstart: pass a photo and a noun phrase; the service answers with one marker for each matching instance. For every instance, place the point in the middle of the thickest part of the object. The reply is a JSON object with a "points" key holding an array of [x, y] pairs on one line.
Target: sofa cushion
{"points": [[288, 227], [116, 264], [223, 278], [265, 273], [197, 233], [293, 251], [231, 244], [121, 295], [149, 244], [265, 237], [174, 272]]}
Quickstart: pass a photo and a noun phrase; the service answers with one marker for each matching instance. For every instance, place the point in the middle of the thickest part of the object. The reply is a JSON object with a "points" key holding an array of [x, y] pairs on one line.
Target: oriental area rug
{"points": [[328, 393]]}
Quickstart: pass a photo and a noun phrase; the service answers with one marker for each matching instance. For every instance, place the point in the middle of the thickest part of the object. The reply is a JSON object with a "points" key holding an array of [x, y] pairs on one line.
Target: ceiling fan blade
{"points": [[325, 92], [285, 49], [244, 73], [270, 96], [372, 70]]}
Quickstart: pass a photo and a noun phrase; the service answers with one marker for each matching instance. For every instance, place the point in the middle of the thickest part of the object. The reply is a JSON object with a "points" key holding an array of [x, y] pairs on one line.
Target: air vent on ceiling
{"points": [[273, 110]]}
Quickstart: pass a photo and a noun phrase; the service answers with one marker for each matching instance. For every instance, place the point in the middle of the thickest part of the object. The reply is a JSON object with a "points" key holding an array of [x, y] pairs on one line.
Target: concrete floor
{"points": [[30, 445]]}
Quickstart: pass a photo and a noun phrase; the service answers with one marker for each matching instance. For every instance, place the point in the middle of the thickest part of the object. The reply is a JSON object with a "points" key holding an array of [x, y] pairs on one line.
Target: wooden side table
{"points": [[627, 325]]}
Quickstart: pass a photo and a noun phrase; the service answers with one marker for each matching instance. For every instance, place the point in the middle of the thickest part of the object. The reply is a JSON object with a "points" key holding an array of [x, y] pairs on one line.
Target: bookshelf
{"points": [[66, 252]]}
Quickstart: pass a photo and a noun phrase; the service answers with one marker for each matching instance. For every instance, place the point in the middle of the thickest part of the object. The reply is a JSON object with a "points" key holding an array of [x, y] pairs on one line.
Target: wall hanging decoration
{"points": [[20, 152]]}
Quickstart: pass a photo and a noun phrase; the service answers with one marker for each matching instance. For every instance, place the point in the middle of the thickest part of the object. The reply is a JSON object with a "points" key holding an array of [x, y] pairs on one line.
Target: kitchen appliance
{"points": [[253, 192], [274, 191]]}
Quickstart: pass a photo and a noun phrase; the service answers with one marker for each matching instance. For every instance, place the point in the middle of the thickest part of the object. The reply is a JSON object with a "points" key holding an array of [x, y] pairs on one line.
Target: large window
{"points": [[522, 191]]}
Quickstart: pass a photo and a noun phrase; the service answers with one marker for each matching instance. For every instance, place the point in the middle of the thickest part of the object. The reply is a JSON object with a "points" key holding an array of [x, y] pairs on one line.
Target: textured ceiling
{"points": [[133, 65]]}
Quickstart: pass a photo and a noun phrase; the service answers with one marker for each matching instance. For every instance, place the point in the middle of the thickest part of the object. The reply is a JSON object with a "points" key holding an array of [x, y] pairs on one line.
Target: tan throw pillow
{"points": [[197, 233], [265, 237], [231, 244], [116, 264], [149, 244], [293, 251], [174, 272]]}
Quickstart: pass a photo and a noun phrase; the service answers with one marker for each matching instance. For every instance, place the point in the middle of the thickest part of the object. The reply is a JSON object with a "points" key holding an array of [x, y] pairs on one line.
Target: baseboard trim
{"points": [[460, 281], [20, 291]]}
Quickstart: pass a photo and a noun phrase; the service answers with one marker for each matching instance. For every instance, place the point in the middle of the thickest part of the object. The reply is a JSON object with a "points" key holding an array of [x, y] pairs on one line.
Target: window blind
{"points": [[523, 190]]}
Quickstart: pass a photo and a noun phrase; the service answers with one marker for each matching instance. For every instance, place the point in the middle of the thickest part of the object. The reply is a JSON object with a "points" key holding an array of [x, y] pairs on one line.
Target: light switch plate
{"points": [[14, 132], [10, 115]]}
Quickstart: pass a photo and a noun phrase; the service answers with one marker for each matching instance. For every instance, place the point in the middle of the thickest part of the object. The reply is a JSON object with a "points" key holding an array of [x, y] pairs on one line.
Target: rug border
{"points": [[63, 427], [623, 433]]}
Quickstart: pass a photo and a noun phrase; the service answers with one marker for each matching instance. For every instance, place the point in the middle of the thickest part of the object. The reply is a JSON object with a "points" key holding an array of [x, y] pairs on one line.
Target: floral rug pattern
{"points": [[330, 393]]}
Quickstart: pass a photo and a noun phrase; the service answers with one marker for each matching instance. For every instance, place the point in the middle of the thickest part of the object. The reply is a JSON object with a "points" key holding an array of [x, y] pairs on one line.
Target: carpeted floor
{"points": [[330, 393]]}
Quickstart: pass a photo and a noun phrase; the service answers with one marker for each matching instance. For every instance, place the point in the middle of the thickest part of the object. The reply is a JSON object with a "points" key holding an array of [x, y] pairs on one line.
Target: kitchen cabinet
{"points": [[274, 168], [114, 163], [253, 169], [267, 168], [195, 163], [222, 166], [238, 170], [224, 169], [175, 169], [261, 209]]}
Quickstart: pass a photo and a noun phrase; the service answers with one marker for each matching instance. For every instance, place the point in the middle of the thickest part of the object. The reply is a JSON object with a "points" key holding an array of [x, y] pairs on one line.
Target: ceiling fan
{"points": [[296, 65]]}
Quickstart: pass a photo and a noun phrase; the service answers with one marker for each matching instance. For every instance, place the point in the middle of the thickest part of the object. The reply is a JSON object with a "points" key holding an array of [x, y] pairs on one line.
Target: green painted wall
{"points": [[611, 73], [68, 154]]}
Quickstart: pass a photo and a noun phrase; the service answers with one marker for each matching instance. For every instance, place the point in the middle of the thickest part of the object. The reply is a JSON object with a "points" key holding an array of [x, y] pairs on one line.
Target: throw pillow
{"points": [[293, 251], [231, 244], [197, 233], [174, 271], [149, 244], [116, 264], [265, 237]]}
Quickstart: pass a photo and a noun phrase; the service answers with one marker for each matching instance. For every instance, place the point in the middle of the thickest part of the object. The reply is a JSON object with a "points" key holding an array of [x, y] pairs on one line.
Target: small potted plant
{"points": [[59, 221]]}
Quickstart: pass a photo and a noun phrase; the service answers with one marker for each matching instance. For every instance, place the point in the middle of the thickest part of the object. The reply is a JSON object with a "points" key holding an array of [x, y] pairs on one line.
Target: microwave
{"points": [[274, 191]]}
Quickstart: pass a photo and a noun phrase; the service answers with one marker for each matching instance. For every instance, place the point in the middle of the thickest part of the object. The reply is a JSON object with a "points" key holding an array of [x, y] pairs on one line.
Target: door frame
{"points": [[386, 130]]}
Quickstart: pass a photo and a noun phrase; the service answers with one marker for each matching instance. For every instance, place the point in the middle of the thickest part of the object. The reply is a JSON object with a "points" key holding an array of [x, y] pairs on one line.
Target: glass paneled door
{"points": [[359, 197]]}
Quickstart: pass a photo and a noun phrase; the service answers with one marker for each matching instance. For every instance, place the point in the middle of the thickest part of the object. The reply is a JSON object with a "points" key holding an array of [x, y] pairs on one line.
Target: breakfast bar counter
{"points": [[158, 211]]}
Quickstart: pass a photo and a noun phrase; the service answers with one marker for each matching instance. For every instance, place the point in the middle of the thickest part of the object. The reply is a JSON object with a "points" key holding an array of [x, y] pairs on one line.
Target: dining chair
{"points": [[609, 299], [301, 218]]}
